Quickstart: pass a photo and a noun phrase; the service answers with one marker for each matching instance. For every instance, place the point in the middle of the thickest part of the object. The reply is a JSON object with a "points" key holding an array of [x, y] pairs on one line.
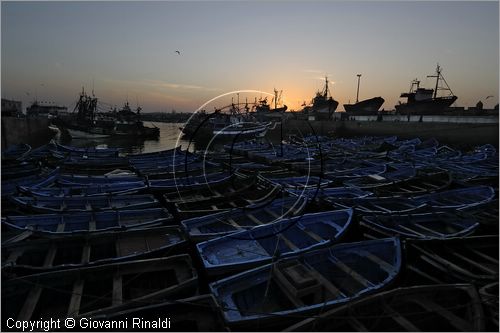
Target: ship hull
{"points": [[432, 106], [371, 105]]}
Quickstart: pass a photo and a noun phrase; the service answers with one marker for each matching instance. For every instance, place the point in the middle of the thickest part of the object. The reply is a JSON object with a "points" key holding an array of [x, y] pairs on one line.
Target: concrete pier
{"points": [[457, 131], [33, 131]]}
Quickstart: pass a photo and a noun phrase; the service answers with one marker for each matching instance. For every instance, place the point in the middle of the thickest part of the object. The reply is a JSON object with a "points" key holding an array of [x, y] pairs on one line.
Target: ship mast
{"points": [[439, 76], [357, 93], [326, 87]]}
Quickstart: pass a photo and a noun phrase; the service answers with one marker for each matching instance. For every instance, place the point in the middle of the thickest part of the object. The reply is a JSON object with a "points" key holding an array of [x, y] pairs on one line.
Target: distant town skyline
{"points": [[178, 55]]}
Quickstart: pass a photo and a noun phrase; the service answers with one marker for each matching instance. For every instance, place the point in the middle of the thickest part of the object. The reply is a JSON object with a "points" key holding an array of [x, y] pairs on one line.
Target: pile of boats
{"points": [[314, 234]]}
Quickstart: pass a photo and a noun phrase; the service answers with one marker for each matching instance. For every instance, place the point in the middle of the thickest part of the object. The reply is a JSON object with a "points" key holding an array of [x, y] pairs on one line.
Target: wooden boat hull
{"points": [[307, 284], [439, 308], [63, 252], [435, 225], [88, 221], [287, 237], [86, 292]]}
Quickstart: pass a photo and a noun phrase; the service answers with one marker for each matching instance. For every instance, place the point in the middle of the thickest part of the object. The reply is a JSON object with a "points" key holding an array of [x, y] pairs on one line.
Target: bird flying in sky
{"points": [[489, 96], [178, 52]]}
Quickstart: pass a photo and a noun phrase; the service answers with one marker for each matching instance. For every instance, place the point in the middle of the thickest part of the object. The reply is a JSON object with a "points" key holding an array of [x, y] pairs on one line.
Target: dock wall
{"points": [[457, 131], [33, 131]]}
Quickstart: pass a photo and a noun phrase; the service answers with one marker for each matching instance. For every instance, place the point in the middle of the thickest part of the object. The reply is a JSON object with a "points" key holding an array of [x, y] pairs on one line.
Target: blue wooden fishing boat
{"points": [[374, 205], [75, 180], [188, 182], [47, 224], [331, 193], [86, 151], [19, 169], [458, 198], [231, 187], [82, 204], [426, 180], [15, 152], [257, 246], [36, 255], [356, 173], [434, 225], [387, 178], [472, 259], [304, 285], [439, 308], [224, 223], [258, 195], [298, 182], [194, 314], [92, 190], [45, 178], [89, 291]]}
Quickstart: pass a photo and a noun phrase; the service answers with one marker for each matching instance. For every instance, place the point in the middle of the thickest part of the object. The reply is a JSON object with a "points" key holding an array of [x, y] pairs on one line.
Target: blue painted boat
{"points": [[472, 259], [373, 205], [119, 286], [19, 170], [75, 180], [440, 308], [82, 204], [387, 178], [188, 182], [47, 224], [36, 255], [331, 193], [220, 224], [356, 173], [15, 152], [458, 198], [45, 178], [257, 246], [194, 314], [86, 151], [93, 190], [434, 225], [304, 285], [259, 195], [299, 182], [427, 180]]}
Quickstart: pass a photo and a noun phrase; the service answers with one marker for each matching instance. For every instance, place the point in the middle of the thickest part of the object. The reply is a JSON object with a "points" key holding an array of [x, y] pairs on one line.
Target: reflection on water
{"points": [[170, 137]]}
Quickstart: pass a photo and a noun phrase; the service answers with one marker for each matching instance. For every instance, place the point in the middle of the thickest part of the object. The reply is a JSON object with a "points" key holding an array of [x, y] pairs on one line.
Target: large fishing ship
{"points": [[323, 106], [367, 106], [422, 101], [88, 122]]}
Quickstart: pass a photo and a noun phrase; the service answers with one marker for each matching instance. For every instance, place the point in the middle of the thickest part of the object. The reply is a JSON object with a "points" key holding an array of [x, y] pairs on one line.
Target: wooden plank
{"points": [[313, 235], [382, 263], [355, 275], [288, 243], [30, 303], [14, 255], [117, 289], [453, 319], [85, 254], [286, 287], [357, 325], [254, 219], [428, 229], [233, 223], [474, 263], [76, 298], [61, 226], [51, 254], [405, 323], [326, 283], [482, 255]]}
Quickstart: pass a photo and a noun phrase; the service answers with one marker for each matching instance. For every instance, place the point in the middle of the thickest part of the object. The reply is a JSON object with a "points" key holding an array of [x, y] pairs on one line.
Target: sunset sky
{"points": [[127, 49]]}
